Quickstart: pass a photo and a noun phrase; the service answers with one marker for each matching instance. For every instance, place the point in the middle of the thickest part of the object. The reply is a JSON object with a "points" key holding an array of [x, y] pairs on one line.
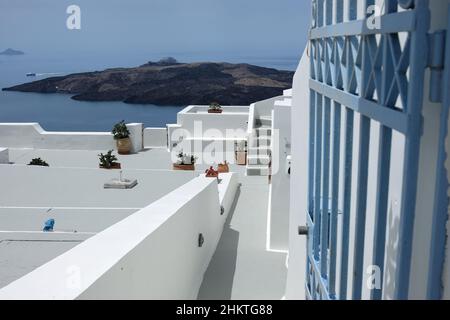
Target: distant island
{"points": [[11, 52], [169, 82]]}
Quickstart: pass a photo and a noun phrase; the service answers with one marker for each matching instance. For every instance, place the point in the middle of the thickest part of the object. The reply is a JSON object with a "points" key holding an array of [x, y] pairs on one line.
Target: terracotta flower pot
{"points": [[211, 173], [241, 158], [223, 168], [123, 146], [184, 167], [215, 111], [114, 166]]}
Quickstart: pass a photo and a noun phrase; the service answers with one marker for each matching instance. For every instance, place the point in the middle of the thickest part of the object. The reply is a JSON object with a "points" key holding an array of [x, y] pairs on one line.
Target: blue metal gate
{"points": [[373, 69]]}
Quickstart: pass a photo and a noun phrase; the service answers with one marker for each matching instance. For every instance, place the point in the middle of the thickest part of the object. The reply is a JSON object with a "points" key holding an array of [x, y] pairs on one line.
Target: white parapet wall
{"points": [[197, 122], [32, 135], [155, 138], [264, 108], [4, 155], [152, 254], [136, 136], [280, 186]]}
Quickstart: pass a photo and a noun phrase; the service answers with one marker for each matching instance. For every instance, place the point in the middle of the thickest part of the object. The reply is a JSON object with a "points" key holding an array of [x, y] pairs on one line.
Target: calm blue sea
{"points": [[57, 112]]}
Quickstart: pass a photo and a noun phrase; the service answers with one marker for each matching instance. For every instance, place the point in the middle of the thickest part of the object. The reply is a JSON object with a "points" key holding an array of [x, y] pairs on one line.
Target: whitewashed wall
{"points": [[280, 186], [31, 135], [152, 254], [155, 138], [295, 284], [438, 22], [265, 107], [197, 122], [4, 155]]}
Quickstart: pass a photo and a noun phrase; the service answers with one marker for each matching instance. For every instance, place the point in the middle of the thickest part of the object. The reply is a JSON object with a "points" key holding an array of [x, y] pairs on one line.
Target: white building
{"points": [[361, 137]]}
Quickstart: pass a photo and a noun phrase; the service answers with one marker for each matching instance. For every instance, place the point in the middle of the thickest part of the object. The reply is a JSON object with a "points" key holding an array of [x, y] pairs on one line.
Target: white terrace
{"points": [[142, 242]]}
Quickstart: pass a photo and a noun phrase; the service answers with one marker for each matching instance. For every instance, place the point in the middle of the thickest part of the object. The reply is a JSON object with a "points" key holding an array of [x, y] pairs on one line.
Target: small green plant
{"points": [[107, 160], [186, 159], [215, 106], [38, 162], [241, 146], [120, 130]]}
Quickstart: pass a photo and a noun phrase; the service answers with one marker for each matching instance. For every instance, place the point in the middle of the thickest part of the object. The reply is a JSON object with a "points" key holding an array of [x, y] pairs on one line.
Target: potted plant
{"points": [[38, 162], [215, 108], [122, 137], [211, 173], [223, 167], [108, 161], [241, 152], [185, 162]]}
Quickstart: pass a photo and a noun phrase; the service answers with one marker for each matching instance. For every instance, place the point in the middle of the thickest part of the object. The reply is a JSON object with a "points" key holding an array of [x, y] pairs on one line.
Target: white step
{"points": [[263, 132], [262, 141], [258, 159], [260, 150], [258, 170]]}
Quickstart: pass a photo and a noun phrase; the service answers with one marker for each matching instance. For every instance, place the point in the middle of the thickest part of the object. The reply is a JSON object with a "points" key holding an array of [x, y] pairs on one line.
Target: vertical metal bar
{"points": [[312, 59], [391, 6], [339, 11], [312, 115], [349, 115], [384, 163], [363, 171], [317, 177], [329, 12], [412, 149], [353, 10], [348, 163], [325, 190], [320, 11], [313, 284], [335, 197], [361, 204], [440, 211]]}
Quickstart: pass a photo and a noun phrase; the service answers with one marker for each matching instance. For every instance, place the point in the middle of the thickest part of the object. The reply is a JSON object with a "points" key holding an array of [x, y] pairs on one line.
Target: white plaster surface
{"points": [[150, 262], [241, 267], [4, 155], [280, 186], [155, 137]]}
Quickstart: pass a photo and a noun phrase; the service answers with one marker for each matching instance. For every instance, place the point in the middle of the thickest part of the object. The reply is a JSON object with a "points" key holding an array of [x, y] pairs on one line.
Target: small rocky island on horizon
{"points": [[12, 52], [169, 82]]}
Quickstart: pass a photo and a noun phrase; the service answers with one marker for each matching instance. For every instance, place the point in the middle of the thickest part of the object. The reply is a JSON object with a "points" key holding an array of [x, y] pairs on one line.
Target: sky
{"points": [[123, 27]]}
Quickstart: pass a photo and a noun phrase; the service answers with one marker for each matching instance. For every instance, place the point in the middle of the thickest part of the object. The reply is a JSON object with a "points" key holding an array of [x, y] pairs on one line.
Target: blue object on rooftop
{"points": [[48, 225]]}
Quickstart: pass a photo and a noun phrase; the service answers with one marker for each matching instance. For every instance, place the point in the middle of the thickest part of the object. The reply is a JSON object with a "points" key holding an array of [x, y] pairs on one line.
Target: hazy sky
{"points": [[246, 27]]}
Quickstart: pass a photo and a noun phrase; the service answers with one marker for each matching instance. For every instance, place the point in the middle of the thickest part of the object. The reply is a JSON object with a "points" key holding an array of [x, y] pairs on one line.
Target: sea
{"points": [[58, 112]]}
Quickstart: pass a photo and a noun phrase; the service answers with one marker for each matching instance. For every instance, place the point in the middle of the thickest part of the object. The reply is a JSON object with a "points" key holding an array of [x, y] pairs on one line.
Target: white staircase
{"points": [[259, 148]]}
